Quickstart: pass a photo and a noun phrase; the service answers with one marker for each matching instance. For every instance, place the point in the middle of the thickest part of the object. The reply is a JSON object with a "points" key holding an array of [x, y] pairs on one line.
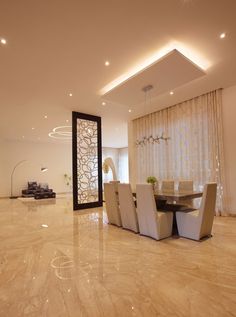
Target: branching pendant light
{"points": [[150, 139]]}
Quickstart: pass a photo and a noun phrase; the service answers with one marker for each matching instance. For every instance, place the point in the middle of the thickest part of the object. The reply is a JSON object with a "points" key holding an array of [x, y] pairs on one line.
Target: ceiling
{"points": [[171, 71], [59, 47]]}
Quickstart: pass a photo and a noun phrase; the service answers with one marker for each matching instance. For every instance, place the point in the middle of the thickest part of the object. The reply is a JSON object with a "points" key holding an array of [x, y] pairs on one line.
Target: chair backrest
{"points": [[168, 185], [127, 208], [112, 207], [146, 210], [116, 189], [207, 208], [185, 185], [116, 184]]}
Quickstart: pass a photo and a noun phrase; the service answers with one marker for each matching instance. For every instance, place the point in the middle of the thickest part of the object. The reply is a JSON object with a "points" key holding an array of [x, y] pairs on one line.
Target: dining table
{"points": [[177, 196]]}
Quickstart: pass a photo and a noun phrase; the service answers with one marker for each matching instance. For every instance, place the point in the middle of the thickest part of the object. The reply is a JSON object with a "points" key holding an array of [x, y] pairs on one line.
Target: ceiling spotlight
{"points": [[103, 103], [171, 93], [44, 225], [107, 63], [3, 41], [130, 110], [222, 36], [67, 120], [33, 128], [23, 136], [45, 117], [70, 94]]}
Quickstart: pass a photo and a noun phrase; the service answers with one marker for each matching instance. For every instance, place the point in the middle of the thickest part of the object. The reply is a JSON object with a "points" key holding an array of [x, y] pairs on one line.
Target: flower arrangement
{"points": [[105, 168], [68, 179], [151, 180]]}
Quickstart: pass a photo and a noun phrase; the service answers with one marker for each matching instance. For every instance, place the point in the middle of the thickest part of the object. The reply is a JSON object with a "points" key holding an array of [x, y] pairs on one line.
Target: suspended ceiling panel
{"points": [[171, 71]]}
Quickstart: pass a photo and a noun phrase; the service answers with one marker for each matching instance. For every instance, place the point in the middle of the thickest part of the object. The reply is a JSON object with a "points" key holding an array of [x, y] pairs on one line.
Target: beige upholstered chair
{"points": [[167, 185], [153, 223], [116, 184], [185, 186], [197, 224], [112, 207], [116, 189], [127, 208]]}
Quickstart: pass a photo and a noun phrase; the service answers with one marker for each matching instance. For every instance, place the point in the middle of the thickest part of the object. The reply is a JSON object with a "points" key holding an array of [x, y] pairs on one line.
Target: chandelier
{"points": [[152, 140]]}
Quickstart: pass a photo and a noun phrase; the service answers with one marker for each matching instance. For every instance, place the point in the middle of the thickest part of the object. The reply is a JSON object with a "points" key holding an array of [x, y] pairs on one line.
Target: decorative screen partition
{"points": [[87, 161]]}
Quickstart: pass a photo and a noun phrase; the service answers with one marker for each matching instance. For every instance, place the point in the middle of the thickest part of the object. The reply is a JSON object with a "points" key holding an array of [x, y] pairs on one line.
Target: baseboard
{"points": [[58, 193]]}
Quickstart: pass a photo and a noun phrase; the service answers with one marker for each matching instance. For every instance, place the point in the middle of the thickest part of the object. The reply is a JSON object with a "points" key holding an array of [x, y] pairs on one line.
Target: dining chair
{"points": [[152, 223], [186, 186], [116, 184], [198, 224], [112, 207], [127, 208], [168, 185]]}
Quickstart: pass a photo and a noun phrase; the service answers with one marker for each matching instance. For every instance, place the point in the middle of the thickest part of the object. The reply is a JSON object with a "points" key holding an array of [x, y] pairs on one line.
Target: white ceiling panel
{"points": [[171, 71]]}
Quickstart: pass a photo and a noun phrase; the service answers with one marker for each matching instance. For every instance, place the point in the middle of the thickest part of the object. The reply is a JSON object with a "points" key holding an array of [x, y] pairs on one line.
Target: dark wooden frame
{"points": [[75, 116]]}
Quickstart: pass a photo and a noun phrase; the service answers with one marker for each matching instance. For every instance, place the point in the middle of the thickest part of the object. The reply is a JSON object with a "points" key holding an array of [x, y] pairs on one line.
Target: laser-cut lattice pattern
{"points": [[87, 161]]}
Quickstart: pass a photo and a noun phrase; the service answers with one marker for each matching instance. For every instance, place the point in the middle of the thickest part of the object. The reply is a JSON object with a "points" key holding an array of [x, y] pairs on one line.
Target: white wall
{"points": [[120, 159], [56, 157], [229, 126], [123, 168]]}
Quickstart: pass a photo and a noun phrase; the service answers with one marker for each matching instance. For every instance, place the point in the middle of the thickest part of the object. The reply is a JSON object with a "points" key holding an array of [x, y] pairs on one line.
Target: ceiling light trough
{"points": [[168, 72]]}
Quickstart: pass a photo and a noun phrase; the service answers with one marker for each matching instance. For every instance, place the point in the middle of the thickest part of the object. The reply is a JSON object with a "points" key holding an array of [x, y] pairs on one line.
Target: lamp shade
{"points": [[44, 169]]}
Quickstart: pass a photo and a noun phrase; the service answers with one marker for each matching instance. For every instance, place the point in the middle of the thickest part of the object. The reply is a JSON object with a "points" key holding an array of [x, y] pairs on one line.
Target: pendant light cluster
{"points": [[150, 139]]}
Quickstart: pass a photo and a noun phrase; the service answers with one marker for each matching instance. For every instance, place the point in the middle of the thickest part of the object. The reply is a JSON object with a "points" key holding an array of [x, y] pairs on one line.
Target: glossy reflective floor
{"points": [[54, 262]]}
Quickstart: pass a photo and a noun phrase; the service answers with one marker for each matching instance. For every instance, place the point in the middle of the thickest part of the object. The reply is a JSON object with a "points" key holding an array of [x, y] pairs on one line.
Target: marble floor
{"points": [[54, 262]]}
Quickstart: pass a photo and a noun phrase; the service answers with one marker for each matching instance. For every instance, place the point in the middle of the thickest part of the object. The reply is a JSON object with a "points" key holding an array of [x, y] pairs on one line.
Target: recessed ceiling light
{"points": [[3, 41], [222, 36], [130, 110], [171, 92], [67, 120], [103, 103], [45, 117], [44, 225], [107, 63], [23, 136], [33, 128], [70, 94]]}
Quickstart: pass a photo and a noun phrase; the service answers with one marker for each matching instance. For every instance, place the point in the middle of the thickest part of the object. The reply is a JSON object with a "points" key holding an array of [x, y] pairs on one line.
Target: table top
{"points": [[177, 195]]}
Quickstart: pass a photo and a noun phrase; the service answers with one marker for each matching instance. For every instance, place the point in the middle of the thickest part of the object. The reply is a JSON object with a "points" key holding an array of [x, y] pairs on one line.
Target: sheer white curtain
{"points": [[195, 150]]}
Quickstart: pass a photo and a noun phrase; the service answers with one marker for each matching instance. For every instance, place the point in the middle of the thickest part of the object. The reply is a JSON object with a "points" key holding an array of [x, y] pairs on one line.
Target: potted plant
{"points": [[151, 180], [68, 180]]}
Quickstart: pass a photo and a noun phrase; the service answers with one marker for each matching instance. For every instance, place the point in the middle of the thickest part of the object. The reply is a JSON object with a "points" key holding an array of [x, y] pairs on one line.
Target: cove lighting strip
{"points": [[61, 133], [189, 53]]}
